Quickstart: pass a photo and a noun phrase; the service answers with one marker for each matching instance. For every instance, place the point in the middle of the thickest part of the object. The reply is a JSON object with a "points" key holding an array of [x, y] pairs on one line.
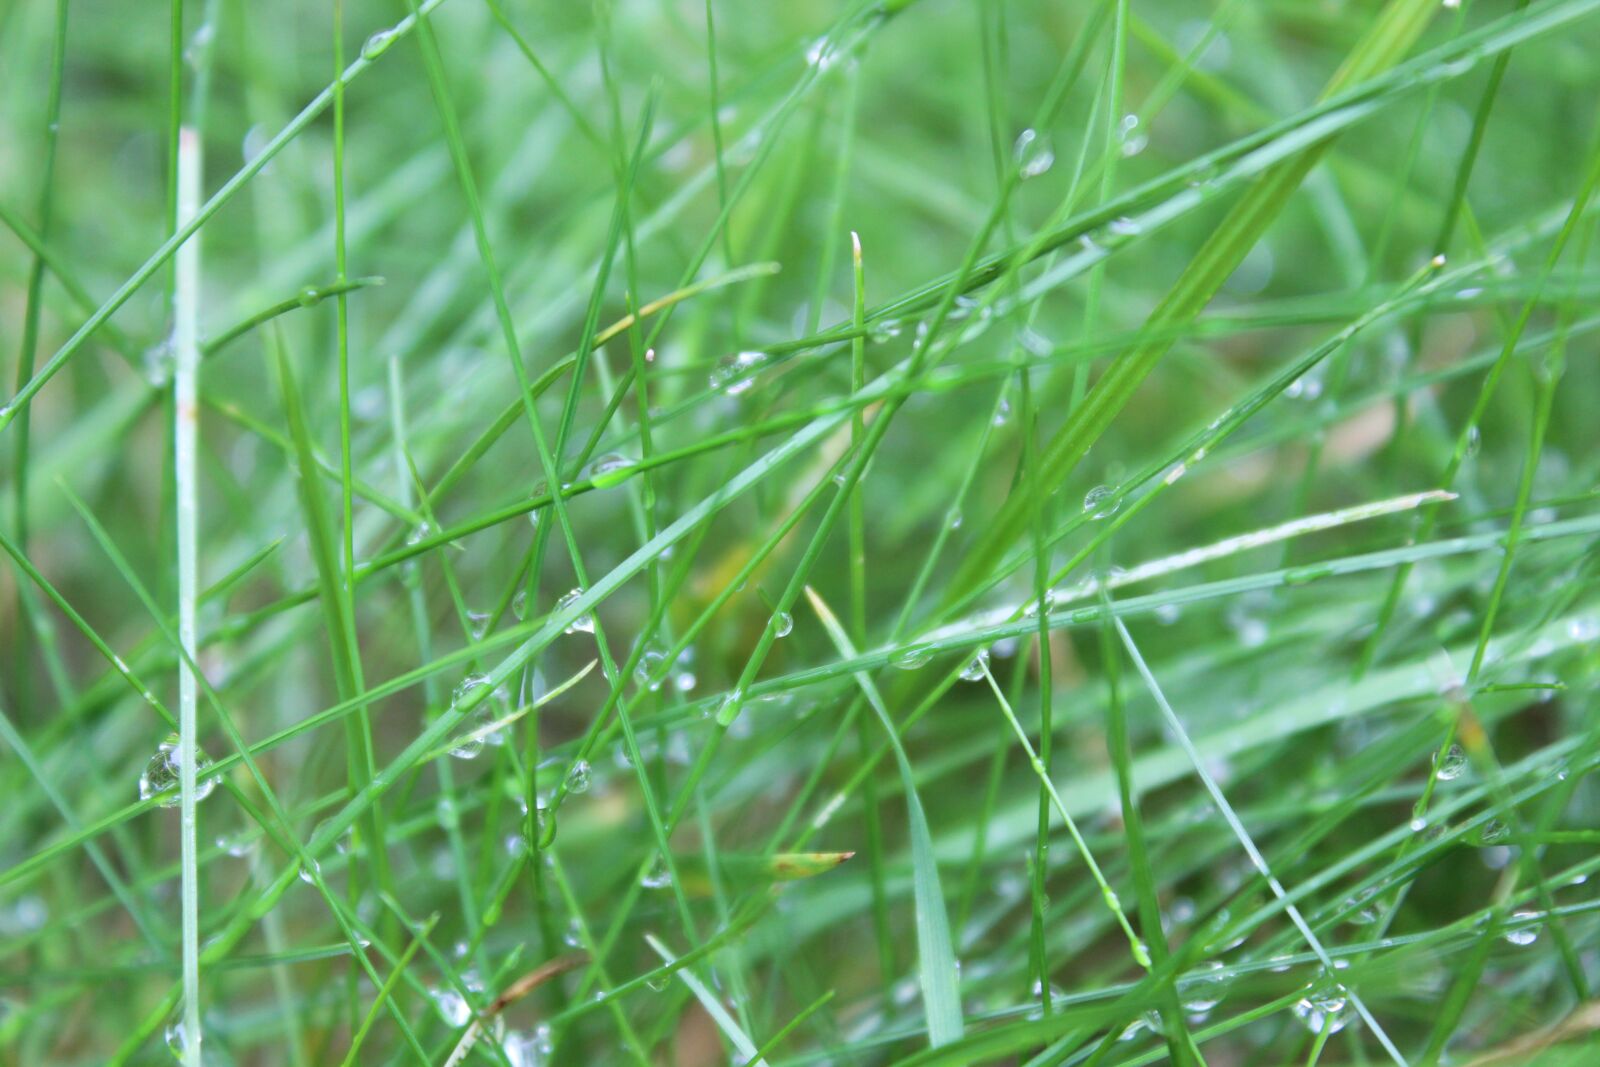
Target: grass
{"points": [[881, 532]]}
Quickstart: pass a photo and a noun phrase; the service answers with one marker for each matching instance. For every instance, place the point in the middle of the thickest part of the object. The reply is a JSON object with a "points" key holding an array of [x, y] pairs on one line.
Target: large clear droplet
{"points": [[1101, 502], [608, 469], [658, 877], [1523, 935], [583, 624], [976, 667], [909, 659], [1323, 1011], [578, 777], [645, 670], [1452, 765], [1204, 991], [468, 686], [162, 773]]}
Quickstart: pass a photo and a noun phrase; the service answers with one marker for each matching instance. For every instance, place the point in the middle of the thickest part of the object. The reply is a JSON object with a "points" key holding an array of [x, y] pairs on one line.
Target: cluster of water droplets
{"points": [[531, 1048], [163, 770]]}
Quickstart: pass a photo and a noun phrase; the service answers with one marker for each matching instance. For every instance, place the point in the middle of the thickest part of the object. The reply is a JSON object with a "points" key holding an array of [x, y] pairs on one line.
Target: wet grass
{"points": [[909, 531]]}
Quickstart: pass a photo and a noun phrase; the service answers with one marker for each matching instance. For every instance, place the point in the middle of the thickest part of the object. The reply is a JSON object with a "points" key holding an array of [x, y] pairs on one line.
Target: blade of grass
{"points": [[936, 962]]}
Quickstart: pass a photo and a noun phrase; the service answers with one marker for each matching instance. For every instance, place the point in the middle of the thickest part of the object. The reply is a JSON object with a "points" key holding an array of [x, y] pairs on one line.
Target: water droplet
{"points": [[976, 667], [26, 915], [578, 777], [417, 535], [1101, 502], [162, 773], [1417, 825], [444, 809], [1167, 614], [1363, 912], [1523, 935], [1493, 831], [782, 624], [1474, 441], [308, 871], [1133, 142], [1031, 609], [519, 604], [658, 877], [468, 685], [194, 53], [1002, 412], [1033, 154], [176, 1044], [822, 53], [237, 844], [884, 330], [683, 681], [650, 661], [1322, 1011], [909, 659], [1306, 387], [1250, 629], [451, 1005], [1125, 227], [659, 982], [583, 624], [1583, 629], [1204, 991], [730, 707], [254, 143], [477, 624], [609, 469], [1451, 766], [377, 44], [735, 374], [523, 1050], [157, 362]]}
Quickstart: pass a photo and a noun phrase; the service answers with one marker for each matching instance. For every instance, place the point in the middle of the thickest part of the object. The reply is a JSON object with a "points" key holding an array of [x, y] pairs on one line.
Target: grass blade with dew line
{"points": [[936, 961], [710, 1002], [186, 442], [1141, 954], [336, 607], [1175, 725], [297, 125], [387, 989], [1390, 36]]}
